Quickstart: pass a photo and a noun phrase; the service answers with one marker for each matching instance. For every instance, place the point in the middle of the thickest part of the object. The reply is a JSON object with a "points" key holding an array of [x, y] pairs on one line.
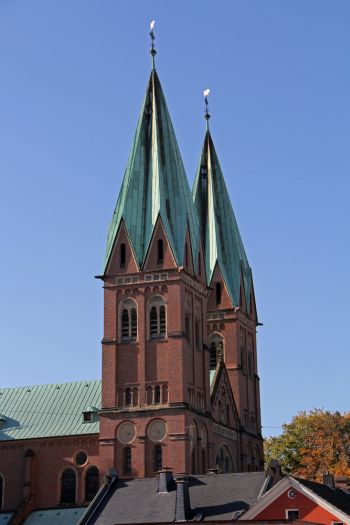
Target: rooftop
{"points": [[29, 412]]}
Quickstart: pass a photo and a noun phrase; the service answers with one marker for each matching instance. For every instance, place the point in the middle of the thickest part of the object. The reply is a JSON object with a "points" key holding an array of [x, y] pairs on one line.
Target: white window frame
{"points": [[292, 510]]}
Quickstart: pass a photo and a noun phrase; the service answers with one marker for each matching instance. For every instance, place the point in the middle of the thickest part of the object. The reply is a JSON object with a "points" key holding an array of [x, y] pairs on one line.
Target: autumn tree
{"points": [[312, 444]]}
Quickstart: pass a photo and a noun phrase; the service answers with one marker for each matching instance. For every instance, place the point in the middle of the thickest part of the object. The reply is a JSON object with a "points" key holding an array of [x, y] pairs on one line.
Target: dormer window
{"points": [[160, 251], [90, 415], [122, 255]]}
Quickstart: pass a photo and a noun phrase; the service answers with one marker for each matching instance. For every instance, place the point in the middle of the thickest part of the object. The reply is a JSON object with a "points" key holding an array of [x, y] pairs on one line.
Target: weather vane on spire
{"points": [[153, 52], [206, 114]]}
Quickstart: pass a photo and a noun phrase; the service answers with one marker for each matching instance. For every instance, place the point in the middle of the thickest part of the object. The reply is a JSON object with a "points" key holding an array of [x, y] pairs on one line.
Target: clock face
{"points": [[126, 432], [156, 430]]}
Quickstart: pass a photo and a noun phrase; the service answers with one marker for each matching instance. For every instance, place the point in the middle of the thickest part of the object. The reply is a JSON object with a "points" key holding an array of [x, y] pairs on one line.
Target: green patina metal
{"points": [[48, 410], [222, 241], [155, 184], [55, 516]]}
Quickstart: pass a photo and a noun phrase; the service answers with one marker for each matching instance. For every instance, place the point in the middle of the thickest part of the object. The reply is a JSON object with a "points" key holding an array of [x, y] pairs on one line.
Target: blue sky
{"points": [[73, 76]]}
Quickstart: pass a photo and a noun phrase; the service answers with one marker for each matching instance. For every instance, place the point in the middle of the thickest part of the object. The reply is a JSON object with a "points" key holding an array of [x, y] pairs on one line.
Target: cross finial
{"points": [[152, 52], [206, 114]]}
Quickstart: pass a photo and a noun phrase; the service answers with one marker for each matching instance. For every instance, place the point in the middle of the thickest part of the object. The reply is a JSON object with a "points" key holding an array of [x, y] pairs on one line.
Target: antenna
{"points": [[152, 52], [206, 114]]}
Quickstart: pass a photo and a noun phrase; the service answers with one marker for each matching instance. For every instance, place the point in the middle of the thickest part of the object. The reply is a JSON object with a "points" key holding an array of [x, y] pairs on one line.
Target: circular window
{"points": [[81, 458], [126, 432], [292, 494], [156, 430]]}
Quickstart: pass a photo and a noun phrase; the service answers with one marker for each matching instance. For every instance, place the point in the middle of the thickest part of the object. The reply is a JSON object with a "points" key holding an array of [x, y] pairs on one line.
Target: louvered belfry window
{"points": [[154, 322], [125, 324], [157, 319], [128, 322]]}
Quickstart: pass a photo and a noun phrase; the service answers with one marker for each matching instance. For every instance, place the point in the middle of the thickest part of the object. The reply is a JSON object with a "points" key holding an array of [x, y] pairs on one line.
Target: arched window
{"points": [[1, 492], [187, 325], [157, 319], [216, 345], [160, 251], [122, 253], [128, 397], [165, 394], [218, 293], [224, 460], [125, 324], [128, 321], [149, 395], [157, 458], [212, 356], [157, 395], [162, 324], [68, 486], [127, 460], [91, 483]]}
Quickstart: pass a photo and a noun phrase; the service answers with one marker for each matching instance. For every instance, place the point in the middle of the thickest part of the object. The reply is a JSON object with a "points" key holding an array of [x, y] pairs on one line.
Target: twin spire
{"points": [[155, 187]]}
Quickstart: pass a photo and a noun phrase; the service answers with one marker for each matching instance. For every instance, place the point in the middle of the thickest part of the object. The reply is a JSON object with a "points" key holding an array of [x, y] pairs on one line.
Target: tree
{"points": [[312, 444]]}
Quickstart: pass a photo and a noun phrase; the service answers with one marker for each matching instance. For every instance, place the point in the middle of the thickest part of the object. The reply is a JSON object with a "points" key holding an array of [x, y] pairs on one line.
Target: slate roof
{"points": [[216, 496], [48, 410], [155, 184], [336, 497], [220, 233], [55, 516]]}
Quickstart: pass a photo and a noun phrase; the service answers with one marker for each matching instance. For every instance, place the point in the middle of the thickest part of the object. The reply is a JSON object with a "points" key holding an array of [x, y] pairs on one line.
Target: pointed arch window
{"points": [[128, 397], [91, 483], [157, 318], [186, 254], [68, 486], [160, 251], [122, 255], [157, 395], [157, 458], [216, 346], [127, 460], [128, 321], [218, 293]]}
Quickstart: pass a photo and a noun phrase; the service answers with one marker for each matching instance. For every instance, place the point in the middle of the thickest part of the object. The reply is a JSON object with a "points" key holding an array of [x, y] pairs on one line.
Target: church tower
{"points": [[231, 310], [155, 380]]}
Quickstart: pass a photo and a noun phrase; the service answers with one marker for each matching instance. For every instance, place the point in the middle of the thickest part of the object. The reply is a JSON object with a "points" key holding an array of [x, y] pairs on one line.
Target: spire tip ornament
{"points": [[206, 114], [152, 52]]}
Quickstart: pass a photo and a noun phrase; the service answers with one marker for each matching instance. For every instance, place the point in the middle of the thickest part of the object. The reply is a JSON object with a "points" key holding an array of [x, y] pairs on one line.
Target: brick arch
{"points": [[127, 303], [59, 484], [157, 301]]}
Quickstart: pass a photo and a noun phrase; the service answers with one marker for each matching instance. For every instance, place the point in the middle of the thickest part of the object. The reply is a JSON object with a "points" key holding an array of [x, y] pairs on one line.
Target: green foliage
{"points": [[312, 444]]}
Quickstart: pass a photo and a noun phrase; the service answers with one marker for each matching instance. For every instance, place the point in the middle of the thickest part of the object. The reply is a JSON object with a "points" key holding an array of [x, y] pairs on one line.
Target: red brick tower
{"points": [[232, 316], [155, 393]]}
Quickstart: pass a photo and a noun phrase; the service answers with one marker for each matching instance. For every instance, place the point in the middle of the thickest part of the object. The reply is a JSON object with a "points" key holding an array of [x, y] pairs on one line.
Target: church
{"points": [[179, 394]]}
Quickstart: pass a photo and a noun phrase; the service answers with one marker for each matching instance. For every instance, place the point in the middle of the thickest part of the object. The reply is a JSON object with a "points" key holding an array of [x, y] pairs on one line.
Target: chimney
{"points": [[328, 480], [274, 471], [166, 480], [182, 504]]}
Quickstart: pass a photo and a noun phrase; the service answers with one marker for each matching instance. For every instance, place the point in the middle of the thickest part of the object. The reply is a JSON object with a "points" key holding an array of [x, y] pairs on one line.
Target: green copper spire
{"points": [[155, 184], [220, 233]]}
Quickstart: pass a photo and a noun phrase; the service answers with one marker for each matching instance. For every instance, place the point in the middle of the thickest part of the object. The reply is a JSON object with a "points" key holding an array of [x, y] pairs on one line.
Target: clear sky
{"points": [[73, 76]]}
